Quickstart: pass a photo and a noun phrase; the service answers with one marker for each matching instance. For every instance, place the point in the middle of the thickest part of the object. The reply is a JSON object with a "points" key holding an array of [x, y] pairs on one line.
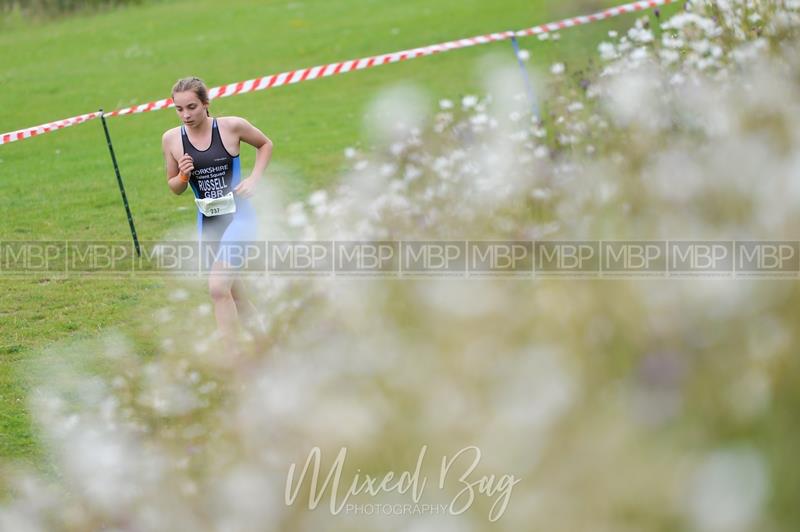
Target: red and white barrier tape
{"points": [[321, 71]]}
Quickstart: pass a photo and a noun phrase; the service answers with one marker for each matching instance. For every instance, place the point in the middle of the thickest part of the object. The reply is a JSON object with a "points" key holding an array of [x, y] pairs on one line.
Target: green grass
{"points": [[61, 185]]}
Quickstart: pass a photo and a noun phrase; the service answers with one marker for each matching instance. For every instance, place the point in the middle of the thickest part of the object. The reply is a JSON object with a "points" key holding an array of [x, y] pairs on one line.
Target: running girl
{"points": [[203, 153]]}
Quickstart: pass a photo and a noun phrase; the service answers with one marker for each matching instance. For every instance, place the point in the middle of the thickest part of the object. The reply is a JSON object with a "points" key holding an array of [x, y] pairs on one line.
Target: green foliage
{"points": [[50, 8]]}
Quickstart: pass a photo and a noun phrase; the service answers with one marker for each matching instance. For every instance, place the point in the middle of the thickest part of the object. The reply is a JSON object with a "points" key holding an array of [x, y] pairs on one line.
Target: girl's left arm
{"points": [[253, 136]]}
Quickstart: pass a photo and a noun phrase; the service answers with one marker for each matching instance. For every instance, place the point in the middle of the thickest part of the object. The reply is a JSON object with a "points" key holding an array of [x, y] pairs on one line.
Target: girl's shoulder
{"points": [[171, 133], [230, 123], [171, 137]]}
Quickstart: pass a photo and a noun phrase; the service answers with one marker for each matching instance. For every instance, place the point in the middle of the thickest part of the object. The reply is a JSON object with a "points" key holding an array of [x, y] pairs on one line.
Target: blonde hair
{"points": [[194, 84]]}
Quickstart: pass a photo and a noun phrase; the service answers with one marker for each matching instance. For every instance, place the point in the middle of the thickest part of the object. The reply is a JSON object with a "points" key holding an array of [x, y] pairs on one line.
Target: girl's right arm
{"points": [[176, 181]]}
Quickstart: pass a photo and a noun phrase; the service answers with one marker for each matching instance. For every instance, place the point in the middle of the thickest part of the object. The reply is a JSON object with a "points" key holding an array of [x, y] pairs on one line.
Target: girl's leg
{"points": [[245, 308], [247, 311], [219, 288]]}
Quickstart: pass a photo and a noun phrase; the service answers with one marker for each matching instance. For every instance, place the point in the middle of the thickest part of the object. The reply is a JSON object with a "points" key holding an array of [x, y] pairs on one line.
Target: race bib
{"points": [[217, 206]]}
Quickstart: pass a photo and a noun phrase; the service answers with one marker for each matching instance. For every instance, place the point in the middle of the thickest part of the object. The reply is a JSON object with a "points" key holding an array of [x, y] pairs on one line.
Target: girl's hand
{"points": [[246, 188], [186, 165]]}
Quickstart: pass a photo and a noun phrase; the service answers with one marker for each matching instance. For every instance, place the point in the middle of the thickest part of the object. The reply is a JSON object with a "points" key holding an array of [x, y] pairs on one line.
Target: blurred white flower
{"points": [[728, 491], [574, 107], [317, 198], [607, 51], [296, 215], [469, 101], [179, 295]]}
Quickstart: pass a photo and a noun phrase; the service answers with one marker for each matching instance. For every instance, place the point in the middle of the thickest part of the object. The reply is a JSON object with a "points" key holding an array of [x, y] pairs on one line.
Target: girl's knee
{"points": [[238, 291], [219, 289]]}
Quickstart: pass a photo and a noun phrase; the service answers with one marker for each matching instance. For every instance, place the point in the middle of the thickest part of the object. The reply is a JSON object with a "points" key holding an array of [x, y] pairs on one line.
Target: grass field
{"points": [[61, 185]]}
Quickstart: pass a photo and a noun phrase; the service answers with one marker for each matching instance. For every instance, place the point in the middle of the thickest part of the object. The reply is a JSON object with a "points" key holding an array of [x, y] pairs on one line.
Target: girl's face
{"points": [[189, 108]]}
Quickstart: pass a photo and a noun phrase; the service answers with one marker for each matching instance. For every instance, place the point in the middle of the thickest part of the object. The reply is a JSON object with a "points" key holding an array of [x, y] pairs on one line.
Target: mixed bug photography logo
{"points": [[457, 480]]}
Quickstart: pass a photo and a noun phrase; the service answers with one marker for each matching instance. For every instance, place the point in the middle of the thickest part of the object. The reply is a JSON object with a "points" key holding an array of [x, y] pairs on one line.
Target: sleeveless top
{"points": [[216, 172]]}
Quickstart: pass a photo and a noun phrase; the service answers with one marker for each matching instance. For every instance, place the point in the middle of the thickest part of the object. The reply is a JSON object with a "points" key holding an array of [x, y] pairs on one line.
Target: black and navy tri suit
{"points": [[216, 173]]}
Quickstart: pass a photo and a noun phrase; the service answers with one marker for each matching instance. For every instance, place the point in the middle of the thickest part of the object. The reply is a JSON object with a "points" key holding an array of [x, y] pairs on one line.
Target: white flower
{"points": [[639, 54], [524, 55], [179, 295], [469, 101], [672, 42], [411, 173], [607, 51], [541, 194], [641, 35], [541, 152], [677, 79], [682, 20], [479, 119], [318, 198], [387, 169], [574, 107], [350, 152], [728, 491], [557, 68], [669, 56], [446, 104], [296, 215], [701, 47]]}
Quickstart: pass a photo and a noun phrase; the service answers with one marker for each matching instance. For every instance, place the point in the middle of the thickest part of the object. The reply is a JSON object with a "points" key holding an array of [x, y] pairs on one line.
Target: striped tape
{"points": [[322, 71]]}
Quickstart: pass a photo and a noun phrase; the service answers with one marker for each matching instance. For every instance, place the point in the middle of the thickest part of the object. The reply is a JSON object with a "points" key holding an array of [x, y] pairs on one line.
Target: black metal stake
{"points": [[121, 186]]}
